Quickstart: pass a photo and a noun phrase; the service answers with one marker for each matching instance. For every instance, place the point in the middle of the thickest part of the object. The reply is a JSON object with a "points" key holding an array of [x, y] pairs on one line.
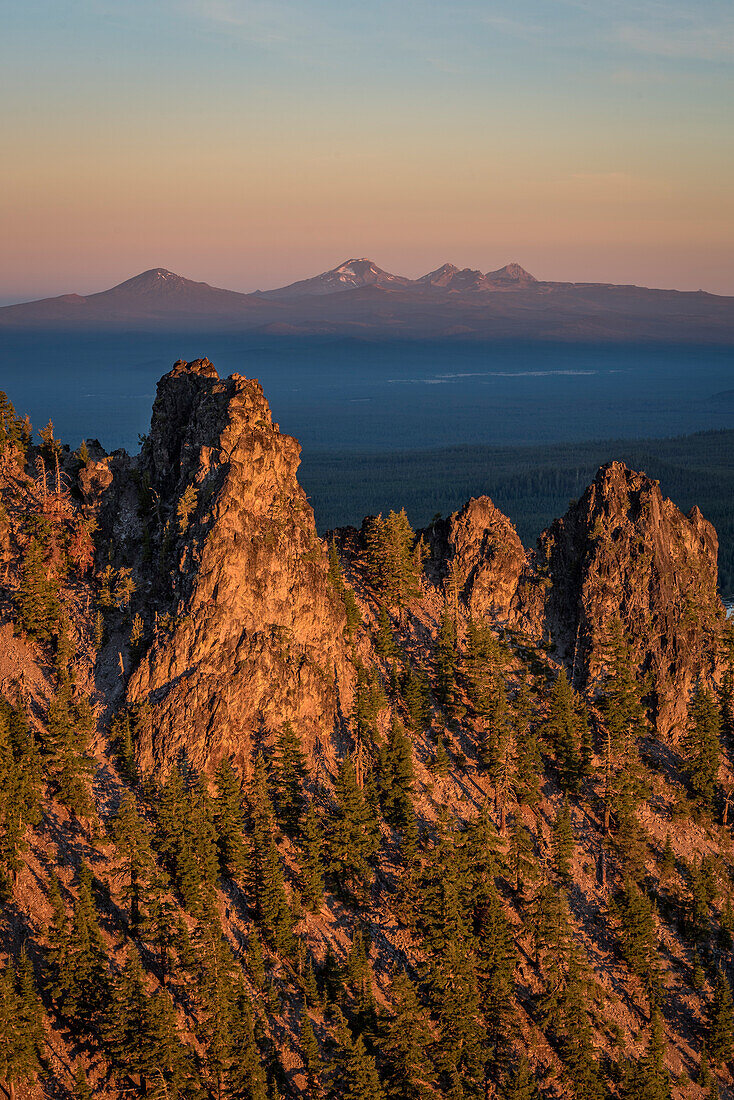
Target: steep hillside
{"points": [[393, 816]]}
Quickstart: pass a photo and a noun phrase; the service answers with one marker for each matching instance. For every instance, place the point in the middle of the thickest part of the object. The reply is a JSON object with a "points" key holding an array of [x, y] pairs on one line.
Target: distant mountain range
{"points": [[359, 299]]}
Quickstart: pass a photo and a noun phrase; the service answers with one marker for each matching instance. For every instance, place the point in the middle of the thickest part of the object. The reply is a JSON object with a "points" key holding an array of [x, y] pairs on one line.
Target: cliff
{"points": [[244, 630]]}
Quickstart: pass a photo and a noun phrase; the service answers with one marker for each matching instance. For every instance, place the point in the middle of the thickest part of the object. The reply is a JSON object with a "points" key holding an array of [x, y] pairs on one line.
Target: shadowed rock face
{"points": [[479, 550], [257, 633]]}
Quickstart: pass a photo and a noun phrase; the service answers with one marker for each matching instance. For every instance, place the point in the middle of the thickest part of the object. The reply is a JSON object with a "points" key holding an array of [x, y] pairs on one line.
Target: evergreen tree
{"points": [[229, 814], [360, 1081], [393, 562], [638, 936], [266, 872], [336, 578], [132, 839], [311, 1055], [520, 855], [417, 698], [165, 1060], [577, 1042], [312, 860], [455, 1001], [20, 1031], [648, 1078], [625, 719], [290, 774], [397, 776], [442, 917], [702, 746], [520, 1084], [562, 840], [385, 642], [125, 1028], [69, 730], [405, 1041], [38, 596], [496, 955], [446, 658], [566, 730], [20, 791], [720, 1017], [528, 763], [246, 1076], [82, 1090], [79, 972], [351, 843]]}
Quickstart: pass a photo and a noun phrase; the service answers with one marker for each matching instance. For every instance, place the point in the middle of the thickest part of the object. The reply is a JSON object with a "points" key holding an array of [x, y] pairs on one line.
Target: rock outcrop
{"points": [[248, 632], [621, 551], [625, 551], [479, 551]]}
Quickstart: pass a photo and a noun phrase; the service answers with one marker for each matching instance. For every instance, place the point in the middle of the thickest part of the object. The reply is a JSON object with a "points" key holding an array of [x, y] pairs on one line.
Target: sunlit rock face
{"points": [[254, 634]]}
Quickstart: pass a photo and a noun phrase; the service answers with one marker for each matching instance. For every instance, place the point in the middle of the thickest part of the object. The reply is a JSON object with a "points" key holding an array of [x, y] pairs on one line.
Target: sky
{"points": [[249, 143]]}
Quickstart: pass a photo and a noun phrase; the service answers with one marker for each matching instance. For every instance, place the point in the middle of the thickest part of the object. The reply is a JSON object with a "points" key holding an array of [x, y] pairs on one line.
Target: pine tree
{"points": [[577, 1042], [20, 1031], [405, 1042], [215, 995], [385, 642], [394, 564], [360, 1081], [132, 839], [246, 1075], [30, 1008], [38, 598], [562, 840], [397, 777], [520, 1084], [442, 917], [446, 658], [125, 1028], [336, 578], [229, 821], [290, 774], [79, 968], [312, 860], [702, 746], [266, 880], [496, 956], [351, 841], [455, 1001], [520, 855], [165, 1059], [311, 1055], [20, 791], [121, 734], [417, 698], [648, 1078], [625, 719], [566, 730], [638, 934], [528, 764], [82, 1090], [720, 1016], [69, 731]]}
